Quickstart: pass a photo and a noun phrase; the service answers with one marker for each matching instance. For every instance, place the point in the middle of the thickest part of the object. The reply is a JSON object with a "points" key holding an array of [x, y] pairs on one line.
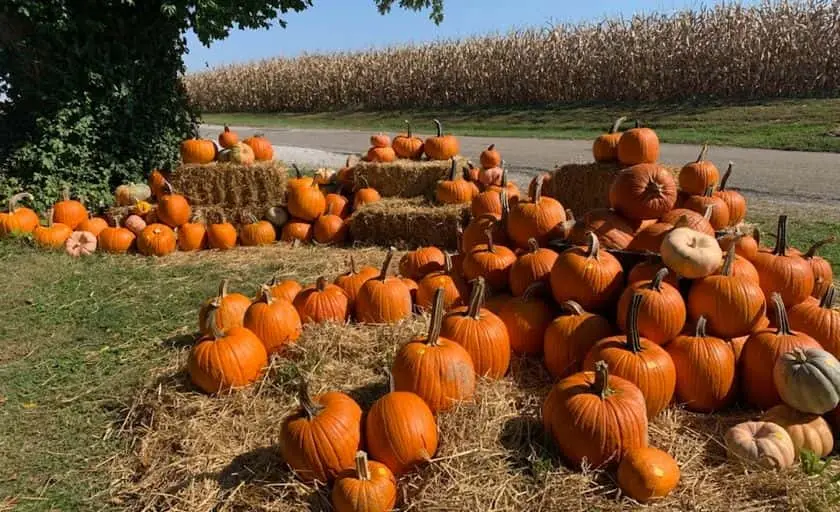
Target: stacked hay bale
{"points": [[405, 178]]}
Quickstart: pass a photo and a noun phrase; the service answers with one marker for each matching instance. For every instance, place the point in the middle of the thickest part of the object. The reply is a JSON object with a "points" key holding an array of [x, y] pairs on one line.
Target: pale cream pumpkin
{"points": [[761, 443], [808, 380], [126, 195], [807, 431], [690, 253]]}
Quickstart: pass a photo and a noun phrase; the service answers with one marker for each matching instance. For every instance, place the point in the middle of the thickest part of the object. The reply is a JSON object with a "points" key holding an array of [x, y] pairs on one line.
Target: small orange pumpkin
{"points": [[441, 147], [408, 146], [18, 219], [228, 138], [261, 146], [156, 240], [198, 151], [605, 147]]}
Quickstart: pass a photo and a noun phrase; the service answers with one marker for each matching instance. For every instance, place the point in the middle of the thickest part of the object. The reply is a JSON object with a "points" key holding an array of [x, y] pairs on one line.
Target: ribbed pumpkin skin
{"points": [[452, 285], [732, 305], [306, 203], [605, 147], [541, 220], [782, 271], [526, 319], [760, 442], [586, 425], [351, 281], [760, 353], [569, 337], [383, 301], [481, 333], [808, 380], [745, 246], [646, 270], [400, 431], [258, 233], [296, 229], [694, 220], [222, 236], [476, 232], [650, 238], [229, 310], [115, 240], [69, 212], [644, 191], [638, 146], [418, 263], [639, 360], [174, 209], [197, 151], [743, 268], [819, 320], [706, 379], [592, 278], [373, 491], [647, 473], [53, 236], [330, 229], [662, 314], [441, 147], [612, 230], [719, 218], [321, 445], [230, 359], [531, 267], [697, 176], [490, 261], [275, 321], [287, 289], [261, 146], [192, 236], [807, 431], [156, 240], [322, 303], [408, 146]]}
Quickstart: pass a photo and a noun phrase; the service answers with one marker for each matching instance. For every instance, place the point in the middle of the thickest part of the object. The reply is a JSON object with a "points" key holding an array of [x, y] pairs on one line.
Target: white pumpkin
{"points": [[690, 253], [808, 380], [277, 215], [126, 195], [761, 443], [807, 431]]}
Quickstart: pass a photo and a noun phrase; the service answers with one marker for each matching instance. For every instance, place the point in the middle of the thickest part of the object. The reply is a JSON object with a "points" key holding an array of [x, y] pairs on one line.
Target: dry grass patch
{"points": [[193, 452], [229, 184], [405, 178], [408, 223]]}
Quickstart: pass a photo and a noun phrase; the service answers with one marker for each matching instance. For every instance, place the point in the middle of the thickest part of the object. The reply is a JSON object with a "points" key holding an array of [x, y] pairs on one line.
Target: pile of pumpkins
{"points": [[229, 149], [689, 325], [408, 146]]}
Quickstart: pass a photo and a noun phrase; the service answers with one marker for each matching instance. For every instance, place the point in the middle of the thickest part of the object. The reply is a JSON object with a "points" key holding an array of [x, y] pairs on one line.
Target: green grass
{"points": [[79, 337], [780, 124]]}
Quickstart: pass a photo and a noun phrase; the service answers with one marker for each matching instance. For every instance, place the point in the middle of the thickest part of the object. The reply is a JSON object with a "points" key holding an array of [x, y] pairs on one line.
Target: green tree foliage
{"points": [[93, 87]]}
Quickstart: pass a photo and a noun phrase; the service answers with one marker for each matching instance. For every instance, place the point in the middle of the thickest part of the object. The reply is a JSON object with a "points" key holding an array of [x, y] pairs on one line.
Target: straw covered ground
{"points": [[198, 453], [585, 186], [408, 223], [405, 178], [229, 184]]}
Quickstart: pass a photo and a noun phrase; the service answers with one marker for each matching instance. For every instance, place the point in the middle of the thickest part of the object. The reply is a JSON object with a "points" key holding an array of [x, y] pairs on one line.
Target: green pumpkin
{"points": [[808, 380]]}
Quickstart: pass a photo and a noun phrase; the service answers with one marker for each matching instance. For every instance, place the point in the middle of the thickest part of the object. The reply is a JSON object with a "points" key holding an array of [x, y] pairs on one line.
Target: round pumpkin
{"points": [[420, 262], [329, 228], [68, 211], [438, 370], [52, 236], [746, 245], [662, 312], [197, 151], [647, 269], [228, 138], [690, 253], [156, 240], [760, 443], [18, 219], [441, 147], [93, 225], [408, 146], [490, 157], [455, 190], [447, 280], [380, 140], [383, 299], [275, 321], [696, 177], [489, 261], [296, 231], [382, 155], [173, 209], [526, 318], [135, 224], [369, 487], [595, 417], [784, 272], [228, 308], [587, 275], [306, 202], [638, 146], [257, 232], [570, 336], [807, 431], [808, 380], [222, 235], [284, 289], [321, 303], [352, 280], [261, 146], [538, 219], [365, 195], [719, 213], [735, 202], [644, 191], [819, 320], [116, 239], [647, 473], [605, 147], [698, 221], [192, 236], [531, 267]]}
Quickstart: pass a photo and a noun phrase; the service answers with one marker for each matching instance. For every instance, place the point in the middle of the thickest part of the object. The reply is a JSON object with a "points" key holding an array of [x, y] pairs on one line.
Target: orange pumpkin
{"points": [[284, 289], [68, 211], [380, 140], [276, 322], [352, 280], [329, 228], [156, 240], [662, 313], [53, 235], [383, 299], [257, 232], [420, 262], [693, 219], [173, 209], [441, 147], [321, 303], [382, 154], [782, 271], [295, 231], [821, 268], [569, 337], [116, 240], [644, 191], [646, 270], [93, 225], [229, 309], [306, 202], [735, 201], [613, 230], [719, 215], [591, 277], [531, 267], [696, 177], [228, 138], [638, 146], [192, 236], [365, 195], [408, 146], [261, 146], [447, 280], [490, 157], [526, 318], [819, 320], [541, 219], [489, 261], [455, 190], [222, 235], [18, 219], [371, 486], [647, 473], [198, 151], [746, 246], [605, 147], [157, 183], [337, 204]]}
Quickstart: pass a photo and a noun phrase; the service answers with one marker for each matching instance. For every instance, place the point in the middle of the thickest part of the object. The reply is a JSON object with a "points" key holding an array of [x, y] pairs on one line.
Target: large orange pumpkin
{"points": [[156, 240], [719, 214], [173, 209], [489, 261], [323, 302], [52, 236], [819, 320], [420, 262], [531, 267], [222, 235], [696, 177], [638, 360], [527, 317], [455, 190], [448, 280], [275, 321], [647, 473], [735, 201], [383, 299], [198, 151], [596, 417], [261, 146], [638, 146], [192, 236], [352, 280], [68, 211], [784, 272], [541, 219], [644, 191], [116, 239], [662, 312], [569, 338], [587, 275], [229, 310], [306, 202]]}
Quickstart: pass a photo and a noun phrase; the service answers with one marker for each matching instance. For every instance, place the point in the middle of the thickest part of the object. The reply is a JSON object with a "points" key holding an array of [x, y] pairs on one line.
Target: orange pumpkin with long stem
{"points": [[735, 201], [352, 280], [591, 277], [696, 177], [760, 353], [819, 320], [605, 147], [539, 219], [489, 261], [481, 333], [821, 268], [639, 360], [370, 486], [638, 145], [323, 302], [229, 309], [662, 312], [116, 239], [441, 147], [383, 299], [408, 146], [438, 370], [306, 202], [531, 267], [320, 439], [719, 216], [447, 280], [455, 190], [53, 235], [275, 321], [706, 371], [401, 431], [780, 270], [570, 336], [595, 416], [226, 358], [18, 219]]}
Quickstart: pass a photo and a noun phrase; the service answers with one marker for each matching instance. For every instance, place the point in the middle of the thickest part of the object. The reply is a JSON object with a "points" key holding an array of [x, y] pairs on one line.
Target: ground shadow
{"points": [[529, 448], [263, 465], [180, 341], [367, 394]]}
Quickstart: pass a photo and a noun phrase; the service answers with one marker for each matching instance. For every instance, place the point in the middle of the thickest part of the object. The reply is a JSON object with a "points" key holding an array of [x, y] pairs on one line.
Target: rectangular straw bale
{"points": [[408, 223], [230, 184], [405, 178]]}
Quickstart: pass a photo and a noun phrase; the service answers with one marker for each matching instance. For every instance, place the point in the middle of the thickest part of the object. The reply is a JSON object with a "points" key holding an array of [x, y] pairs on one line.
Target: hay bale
{"points": [[405, 178], [408, 223], [585, 187], [229, 184]]}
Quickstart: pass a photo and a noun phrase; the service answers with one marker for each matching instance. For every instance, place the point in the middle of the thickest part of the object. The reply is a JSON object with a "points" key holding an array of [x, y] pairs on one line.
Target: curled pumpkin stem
{"points": [[310, 408]]}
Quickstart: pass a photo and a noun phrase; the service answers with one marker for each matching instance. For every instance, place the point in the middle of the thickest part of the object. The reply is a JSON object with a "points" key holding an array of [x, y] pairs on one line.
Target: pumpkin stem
{"points": [[781, 314], [637, 124], [726, 270], [700, 328], [708, 213], [504, 176], [167, 188], [223, 289], [213, 310], [436, 319], [538, 189], [617, 124], [726, 175], [13, 200], [827, 301], [656, 282], [387, 263], [116, 219], [227, 129], [391, 384], [533, 245], [50, 217], [491, 147], [634, 341], [710, 191], [812, 251], [447, 263], [407, 129], [352, 265], [572, 307], [452, 169], [298, 175], [594, 245], [65, 193], [459, 236], [265, 294], [362, 470], [439, 128], [532, 288], [309, 407], [702, 155], [503, 198], [321, 283], [490, 246], [602, 378], [476, 298], [781, 236]]}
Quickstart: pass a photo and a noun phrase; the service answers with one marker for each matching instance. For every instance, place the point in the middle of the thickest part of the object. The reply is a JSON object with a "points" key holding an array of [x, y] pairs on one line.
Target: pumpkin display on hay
{"points": [[231, 184], [407, 178]]}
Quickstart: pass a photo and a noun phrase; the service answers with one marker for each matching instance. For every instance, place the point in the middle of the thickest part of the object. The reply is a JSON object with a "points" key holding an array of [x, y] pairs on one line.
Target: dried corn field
{"points": [[774, 49]]}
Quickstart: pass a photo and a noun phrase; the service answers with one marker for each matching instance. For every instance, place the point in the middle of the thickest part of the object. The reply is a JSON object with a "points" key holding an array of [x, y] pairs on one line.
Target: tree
{"points": [[93, 87]]}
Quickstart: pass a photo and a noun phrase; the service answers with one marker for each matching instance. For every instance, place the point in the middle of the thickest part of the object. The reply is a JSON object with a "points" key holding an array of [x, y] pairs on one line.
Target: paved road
{"points": [[801, 180]]}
